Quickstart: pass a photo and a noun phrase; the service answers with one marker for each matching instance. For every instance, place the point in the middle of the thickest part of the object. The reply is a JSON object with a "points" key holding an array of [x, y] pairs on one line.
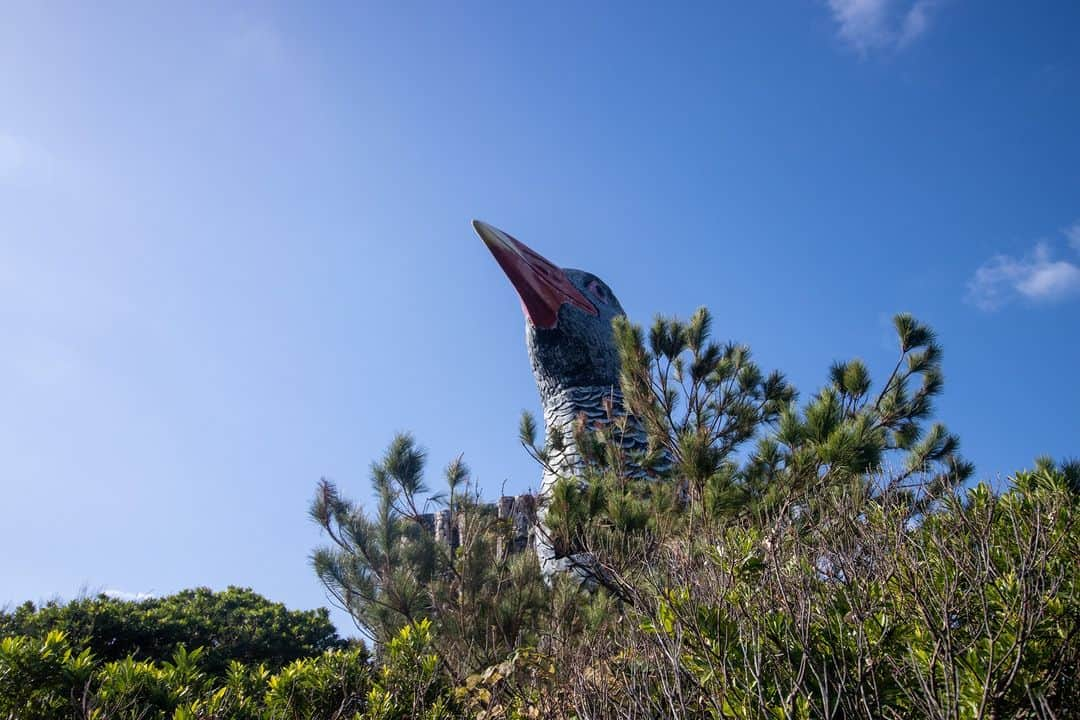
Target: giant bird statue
{"points": [[571, 345]]}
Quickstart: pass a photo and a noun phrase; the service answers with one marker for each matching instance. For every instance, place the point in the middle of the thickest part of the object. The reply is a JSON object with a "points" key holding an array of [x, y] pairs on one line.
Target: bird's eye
{"points": [[598, 290]]}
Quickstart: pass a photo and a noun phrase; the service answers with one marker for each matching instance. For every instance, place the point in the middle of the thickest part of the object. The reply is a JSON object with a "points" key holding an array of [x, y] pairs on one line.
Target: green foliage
{"points": [[696, 399], [701, 404], [41, 678], [831, 571], [970, 611], [332, 685], [1008, 565], [388, 571], [975, 613], [410, 684], [378, 567], [131, 688], [47, 680], [234, 624], [848, 432]]}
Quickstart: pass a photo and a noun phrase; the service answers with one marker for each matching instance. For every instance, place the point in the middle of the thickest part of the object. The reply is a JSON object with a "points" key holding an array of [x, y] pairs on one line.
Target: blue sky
{"points": [[235, 251]]}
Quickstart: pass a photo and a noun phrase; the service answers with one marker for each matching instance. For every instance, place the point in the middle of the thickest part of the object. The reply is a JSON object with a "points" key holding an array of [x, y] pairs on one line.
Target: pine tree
{"points": [[389, 571], [729, 443]]}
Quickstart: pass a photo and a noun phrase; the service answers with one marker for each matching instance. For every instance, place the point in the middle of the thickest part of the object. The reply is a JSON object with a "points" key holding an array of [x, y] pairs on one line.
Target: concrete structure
{"points": [[518, 511]]}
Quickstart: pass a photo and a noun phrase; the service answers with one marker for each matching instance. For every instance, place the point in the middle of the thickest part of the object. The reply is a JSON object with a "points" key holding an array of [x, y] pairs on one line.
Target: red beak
{"points": [[542, 287]]}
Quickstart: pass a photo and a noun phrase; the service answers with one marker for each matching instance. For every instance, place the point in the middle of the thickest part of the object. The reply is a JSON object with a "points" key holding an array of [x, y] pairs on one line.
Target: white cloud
{"points": [[869, 25], [1036, 276], [915, 23], [125, 595], [1073, 234]]}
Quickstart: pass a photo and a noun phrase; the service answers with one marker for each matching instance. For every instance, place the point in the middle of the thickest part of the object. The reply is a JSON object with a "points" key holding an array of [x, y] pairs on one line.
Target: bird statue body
{"points": [[571, 345]]}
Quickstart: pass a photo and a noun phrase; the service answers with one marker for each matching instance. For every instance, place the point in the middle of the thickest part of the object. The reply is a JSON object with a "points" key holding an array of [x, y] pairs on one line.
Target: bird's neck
{"points": [[565, 405], [598, 405]]}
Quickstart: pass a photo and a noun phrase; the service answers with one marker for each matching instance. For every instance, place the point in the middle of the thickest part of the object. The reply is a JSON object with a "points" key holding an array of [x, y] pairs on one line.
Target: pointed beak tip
{"points": [[491, 236]]}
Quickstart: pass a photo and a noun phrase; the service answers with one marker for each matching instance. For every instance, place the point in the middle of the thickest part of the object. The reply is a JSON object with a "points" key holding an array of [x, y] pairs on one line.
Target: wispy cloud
{"points": [[125, 595], [874, 25], [1036, 276], [1073, 234]]}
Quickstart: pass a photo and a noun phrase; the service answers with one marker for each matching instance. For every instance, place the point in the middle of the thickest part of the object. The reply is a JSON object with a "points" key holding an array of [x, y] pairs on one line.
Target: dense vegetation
{"points": [[197, 653], [829, 559], [233, 625]]}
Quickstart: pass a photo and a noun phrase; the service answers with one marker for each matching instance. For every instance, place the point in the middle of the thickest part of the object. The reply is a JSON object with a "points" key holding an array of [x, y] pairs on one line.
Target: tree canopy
{"points": [[233, 624]]}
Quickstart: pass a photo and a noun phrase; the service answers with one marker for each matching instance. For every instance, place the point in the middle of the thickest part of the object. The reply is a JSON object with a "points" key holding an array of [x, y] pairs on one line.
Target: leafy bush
{"points": [[333, 685], [47, 680], [234, 624], [410, 685], [41, 678]]}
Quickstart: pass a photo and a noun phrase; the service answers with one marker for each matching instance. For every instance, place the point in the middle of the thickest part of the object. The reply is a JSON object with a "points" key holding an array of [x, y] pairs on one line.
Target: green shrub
{"points": [[410, 685], [330, 686], [41, 679], [47, 680], [233, 624]]}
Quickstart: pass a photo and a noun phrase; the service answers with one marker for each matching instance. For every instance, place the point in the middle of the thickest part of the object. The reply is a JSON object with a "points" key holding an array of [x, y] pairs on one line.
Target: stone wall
{"points": [[519, 510]]}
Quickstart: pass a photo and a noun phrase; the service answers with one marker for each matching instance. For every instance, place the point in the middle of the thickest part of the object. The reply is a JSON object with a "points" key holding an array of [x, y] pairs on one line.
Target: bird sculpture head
{"points": [[568, 316]]}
